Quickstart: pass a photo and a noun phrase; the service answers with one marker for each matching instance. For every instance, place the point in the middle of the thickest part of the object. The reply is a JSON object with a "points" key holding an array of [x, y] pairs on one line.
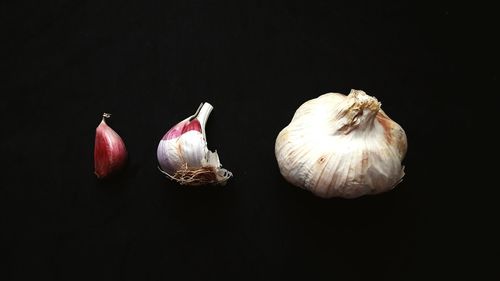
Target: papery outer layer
{"points": [[338, 146], [182, 128]]}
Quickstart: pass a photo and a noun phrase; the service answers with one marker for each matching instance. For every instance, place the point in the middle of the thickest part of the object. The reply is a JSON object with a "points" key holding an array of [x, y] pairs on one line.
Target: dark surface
{"points": [[150, 65]]}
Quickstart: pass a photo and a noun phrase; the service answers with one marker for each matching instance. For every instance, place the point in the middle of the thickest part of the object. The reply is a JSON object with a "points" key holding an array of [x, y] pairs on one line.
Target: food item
{"points": [[183, 154], [342, 146], [110, 154]]}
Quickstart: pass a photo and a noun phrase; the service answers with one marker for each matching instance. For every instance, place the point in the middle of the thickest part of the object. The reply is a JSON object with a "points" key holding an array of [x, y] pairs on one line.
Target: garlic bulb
{"points": [[183, 154], [342, 146]]}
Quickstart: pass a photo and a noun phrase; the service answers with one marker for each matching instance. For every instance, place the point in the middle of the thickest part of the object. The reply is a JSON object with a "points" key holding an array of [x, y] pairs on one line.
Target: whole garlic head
{"points": [[342, 146]]}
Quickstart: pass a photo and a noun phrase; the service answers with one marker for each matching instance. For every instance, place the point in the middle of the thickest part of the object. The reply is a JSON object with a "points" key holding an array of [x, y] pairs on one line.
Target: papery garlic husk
{"points": [[183, 154], [110, 154], [342, 146]]}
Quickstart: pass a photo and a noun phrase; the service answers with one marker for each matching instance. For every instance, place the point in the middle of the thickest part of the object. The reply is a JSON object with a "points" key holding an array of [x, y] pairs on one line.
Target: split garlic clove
{"points": [[342, 146], [183, 154], [110, 154]]}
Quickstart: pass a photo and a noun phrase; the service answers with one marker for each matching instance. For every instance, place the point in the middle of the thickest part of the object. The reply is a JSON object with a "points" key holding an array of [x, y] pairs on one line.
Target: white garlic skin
{"points": [[342, 146], [183, 154]]}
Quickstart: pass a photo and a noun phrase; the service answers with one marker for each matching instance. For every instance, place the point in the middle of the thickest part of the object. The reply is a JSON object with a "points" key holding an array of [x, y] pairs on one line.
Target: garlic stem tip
{"points": [[204, 113], [106, 115]]}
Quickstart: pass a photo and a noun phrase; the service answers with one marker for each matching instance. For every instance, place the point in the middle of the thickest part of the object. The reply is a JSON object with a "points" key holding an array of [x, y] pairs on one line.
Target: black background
{"points": [[150, 64]]}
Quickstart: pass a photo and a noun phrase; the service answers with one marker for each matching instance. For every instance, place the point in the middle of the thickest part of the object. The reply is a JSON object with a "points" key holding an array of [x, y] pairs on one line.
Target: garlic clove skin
{"points": [[342, 146], [183, 154], [181, 145], [110, 154]]}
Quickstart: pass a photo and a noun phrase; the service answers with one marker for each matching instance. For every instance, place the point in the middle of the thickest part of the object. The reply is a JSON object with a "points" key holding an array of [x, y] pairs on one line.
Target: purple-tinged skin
{"points": [[181, 128], [110, 153]]}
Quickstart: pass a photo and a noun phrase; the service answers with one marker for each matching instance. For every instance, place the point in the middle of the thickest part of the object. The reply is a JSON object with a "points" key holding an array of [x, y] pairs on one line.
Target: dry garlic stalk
{"points": [[342, 146]]}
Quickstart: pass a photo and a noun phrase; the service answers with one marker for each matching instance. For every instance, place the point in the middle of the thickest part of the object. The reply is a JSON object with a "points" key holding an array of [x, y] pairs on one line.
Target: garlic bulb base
{"points": [[200, 176]]}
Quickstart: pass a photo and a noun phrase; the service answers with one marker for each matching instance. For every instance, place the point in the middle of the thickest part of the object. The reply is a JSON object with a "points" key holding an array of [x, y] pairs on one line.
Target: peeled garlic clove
{"points": [[342, 146], [110, 153], [183, 154]]}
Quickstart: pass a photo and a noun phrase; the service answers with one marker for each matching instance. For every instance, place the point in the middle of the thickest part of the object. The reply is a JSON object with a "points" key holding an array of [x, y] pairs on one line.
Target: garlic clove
{"points": [[183, 154], [110, 153], [169, 158], [342, 146], [192, 146]]}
